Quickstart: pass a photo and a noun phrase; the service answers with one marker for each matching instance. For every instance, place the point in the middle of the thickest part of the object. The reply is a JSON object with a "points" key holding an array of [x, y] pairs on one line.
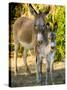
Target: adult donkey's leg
{"points": [[25, 61], [15, 57]]}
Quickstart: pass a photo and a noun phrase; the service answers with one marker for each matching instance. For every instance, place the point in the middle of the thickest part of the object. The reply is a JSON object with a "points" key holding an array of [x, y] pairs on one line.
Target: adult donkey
{"points": [[25, 32]]}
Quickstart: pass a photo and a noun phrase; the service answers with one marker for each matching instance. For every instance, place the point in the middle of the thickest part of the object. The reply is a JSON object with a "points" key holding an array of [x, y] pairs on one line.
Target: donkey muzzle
{"points": [[53, 45], [39, 38]]}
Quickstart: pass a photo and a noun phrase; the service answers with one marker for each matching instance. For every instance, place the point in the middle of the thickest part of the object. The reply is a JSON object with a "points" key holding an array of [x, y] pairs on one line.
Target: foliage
{"points": [[57, 14], [60, 37]]}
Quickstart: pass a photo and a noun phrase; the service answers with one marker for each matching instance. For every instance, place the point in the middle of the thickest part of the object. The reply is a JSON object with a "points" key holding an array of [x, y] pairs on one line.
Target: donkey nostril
{"points": [[40, 42], [52, 47]]}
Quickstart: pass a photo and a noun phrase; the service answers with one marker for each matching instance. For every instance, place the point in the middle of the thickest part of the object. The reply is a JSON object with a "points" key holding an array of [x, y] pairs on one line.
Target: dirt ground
{"points": [[21, 80]]}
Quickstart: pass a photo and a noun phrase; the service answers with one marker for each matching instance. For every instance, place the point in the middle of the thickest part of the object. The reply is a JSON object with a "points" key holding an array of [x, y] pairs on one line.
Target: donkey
{"points": [[25, 32], [46, 51]]}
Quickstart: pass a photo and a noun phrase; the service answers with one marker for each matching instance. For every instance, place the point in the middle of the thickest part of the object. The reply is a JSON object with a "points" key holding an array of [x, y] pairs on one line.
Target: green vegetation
{"points": [[57, 14]]}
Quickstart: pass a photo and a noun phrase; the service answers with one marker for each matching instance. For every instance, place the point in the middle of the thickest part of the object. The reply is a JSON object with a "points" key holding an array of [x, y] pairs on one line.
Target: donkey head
{"points": [[39, 24], [52, 35]]}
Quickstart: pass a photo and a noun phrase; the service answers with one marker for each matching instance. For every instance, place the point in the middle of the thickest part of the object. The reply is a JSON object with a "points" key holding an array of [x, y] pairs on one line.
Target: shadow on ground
{"points": [[21, 80]]}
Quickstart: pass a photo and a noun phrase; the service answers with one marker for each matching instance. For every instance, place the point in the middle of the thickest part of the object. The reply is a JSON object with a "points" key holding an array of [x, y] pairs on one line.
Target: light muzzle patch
{"points": [[39, 37], [52, 44]]}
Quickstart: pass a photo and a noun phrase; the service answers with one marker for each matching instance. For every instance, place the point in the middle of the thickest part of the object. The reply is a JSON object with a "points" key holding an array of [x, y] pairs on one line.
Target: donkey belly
{"points": [[26, 45]]}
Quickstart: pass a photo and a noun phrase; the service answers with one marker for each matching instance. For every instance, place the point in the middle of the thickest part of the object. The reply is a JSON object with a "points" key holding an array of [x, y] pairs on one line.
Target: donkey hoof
{"points": [[38, 82], [25, 74], [53, 83], [28, 72], [46, 83], [15, 73]]}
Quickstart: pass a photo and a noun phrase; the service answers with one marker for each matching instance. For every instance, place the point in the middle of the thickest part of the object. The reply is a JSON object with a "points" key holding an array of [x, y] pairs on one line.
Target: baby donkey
{"points": [[46, 49]]}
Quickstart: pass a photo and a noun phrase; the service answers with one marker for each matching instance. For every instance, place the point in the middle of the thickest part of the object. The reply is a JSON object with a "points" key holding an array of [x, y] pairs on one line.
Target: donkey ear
{"points": [[47, 10], [55, 26], [48, 26], [32, 10]]}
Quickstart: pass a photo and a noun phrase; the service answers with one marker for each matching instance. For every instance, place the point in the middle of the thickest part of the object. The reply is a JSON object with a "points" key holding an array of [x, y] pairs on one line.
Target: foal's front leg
{"points": [[51, 71], [49, 68], [47, 72]]}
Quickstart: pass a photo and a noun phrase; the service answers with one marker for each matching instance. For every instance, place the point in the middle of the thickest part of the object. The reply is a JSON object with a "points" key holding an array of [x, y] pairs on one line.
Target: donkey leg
{"points": [[38, 74], [51, 72], [15, 58], [47, 72], [25, 61], [37, 70], [41, 71]]}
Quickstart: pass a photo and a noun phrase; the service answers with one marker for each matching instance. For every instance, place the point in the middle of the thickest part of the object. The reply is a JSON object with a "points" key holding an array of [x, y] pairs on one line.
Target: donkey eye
{"points": [[43, 25], [35, 26], [49, 37]]}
